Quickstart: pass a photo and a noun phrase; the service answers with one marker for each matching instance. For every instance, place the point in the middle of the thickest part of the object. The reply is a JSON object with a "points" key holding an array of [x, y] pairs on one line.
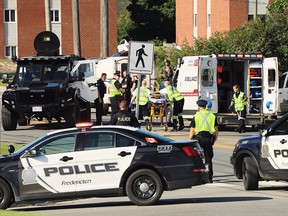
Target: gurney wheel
{"points": [[165, 127], [149, 127]]}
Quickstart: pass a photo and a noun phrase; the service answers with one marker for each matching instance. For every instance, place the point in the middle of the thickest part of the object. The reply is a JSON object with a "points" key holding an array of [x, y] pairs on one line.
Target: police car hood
{"points": [[255, 139]]}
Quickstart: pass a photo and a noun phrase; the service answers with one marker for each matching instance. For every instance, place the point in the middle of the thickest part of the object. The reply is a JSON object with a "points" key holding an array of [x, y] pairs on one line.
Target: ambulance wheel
{"points": [[250, 174], [5, 195], [144, 187], [165, 127]]}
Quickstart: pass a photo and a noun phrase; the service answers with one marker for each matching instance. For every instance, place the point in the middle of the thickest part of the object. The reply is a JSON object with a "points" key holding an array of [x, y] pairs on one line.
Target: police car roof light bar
{"points": [[84, 125]]}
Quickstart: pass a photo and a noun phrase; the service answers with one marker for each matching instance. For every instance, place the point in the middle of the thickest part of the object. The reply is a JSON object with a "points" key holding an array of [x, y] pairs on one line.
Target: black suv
{"points": [[264, 156]]}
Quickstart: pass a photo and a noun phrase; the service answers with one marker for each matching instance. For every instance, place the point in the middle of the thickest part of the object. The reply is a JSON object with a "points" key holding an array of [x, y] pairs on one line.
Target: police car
{"points": [[91, 161], [263, 157]]}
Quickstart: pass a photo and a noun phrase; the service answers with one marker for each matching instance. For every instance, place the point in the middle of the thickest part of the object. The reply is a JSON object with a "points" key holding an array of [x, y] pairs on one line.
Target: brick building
{"points": [[22, 20], [202, 18]]}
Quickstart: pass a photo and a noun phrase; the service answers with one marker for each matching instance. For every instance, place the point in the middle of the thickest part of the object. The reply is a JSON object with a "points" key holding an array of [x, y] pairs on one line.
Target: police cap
{"points": [[117, 73], [201, 103]]}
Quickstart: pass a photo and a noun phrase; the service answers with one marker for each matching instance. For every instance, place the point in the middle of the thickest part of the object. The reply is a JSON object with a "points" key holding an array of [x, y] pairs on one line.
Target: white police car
{"points": [[101, 161], [263, 157]]}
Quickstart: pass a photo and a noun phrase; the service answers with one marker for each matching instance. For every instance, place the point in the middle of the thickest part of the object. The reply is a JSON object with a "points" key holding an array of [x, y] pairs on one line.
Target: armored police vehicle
{"points": [[263, 157], [49, 86]]}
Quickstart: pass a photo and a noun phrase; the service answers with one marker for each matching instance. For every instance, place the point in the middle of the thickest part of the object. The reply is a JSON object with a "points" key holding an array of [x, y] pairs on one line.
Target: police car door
{"points": [[207, 75], [49, 168], [87, 87], [275, 148], [102, 163], [270, 85]]}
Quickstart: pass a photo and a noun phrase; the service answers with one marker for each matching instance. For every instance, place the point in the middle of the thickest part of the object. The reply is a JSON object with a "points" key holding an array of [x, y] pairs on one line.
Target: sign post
{"points": [[140, 61]]}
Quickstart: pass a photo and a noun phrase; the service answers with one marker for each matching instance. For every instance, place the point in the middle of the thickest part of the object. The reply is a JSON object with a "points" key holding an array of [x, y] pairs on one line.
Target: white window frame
{"points": [[53, 15], [10, 16], [10, 50]]}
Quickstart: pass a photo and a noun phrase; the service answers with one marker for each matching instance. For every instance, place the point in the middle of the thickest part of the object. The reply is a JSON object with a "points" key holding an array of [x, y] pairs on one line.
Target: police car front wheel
{"points": [[144, 187], [5, 195], [250, 174]]}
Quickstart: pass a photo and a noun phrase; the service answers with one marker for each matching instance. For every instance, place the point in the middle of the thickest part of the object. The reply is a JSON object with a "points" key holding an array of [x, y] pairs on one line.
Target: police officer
{"points": [[127, 85], [115, 93], [99, 101], [239, 101], [125, 117], [177, 100], [144, 114], [204, 127]]}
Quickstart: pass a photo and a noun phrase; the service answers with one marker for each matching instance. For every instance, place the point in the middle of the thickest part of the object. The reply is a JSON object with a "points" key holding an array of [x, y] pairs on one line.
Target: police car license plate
{"points": [[37, 109]]}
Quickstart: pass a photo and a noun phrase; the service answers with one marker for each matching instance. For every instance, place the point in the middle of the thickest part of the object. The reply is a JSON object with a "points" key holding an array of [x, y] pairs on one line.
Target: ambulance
{"points": [[212, 78]]}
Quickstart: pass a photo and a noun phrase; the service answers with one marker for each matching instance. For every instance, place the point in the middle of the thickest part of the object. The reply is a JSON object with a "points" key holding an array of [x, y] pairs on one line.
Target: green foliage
{"points": [[148, 19], [279, 6], [4, 148]]}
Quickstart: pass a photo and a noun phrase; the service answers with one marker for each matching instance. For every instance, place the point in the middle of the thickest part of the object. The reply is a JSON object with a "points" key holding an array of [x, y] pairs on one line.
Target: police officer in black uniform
{"points": [[99, 101], [124, 117]]}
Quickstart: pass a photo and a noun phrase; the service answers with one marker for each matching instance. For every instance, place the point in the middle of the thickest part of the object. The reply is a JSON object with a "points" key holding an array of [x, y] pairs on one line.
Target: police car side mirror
{"points": [[11, 149], [32, 152]]}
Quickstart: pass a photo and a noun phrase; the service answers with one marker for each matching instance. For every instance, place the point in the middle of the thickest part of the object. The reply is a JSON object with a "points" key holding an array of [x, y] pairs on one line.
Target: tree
{"points": [[148, 20], [278, 6]]}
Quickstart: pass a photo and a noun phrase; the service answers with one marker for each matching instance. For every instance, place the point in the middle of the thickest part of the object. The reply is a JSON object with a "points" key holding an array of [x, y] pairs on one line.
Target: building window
{"points": [[10, 51], [209, 20], [195, 20], [9, 16], [54, 16]]}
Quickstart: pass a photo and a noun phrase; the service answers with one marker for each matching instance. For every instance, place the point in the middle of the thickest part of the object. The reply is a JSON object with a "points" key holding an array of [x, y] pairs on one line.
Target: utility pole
{"points": [[76, 32], [103, 28], [47, 15], [256, 9]]}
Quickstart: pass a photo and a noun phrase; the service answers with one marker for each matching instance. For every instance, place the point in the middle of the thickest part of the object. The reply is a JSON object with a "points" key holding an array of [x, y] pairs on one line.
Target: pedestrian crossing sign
{"points": [[141, 57]]}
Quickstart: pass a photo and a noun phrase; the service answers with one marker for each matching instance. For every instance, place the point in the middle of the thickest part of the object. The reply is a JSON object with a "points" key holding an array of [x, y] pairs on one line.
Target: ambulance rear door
{"points": [[270, 86], [207, 81]]}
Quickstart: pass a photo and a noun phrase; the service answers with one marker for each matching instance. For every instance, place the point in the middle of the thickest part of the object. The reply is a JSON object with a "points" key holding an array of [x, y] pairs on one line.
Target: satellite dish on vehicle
{"points": [[46, 43]]}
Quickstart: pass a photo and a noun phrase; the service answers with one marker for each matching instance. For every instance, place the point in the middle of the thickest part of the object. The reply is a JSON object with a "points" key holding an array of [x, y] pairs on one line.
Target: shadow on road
{"points": [[161, 202]]}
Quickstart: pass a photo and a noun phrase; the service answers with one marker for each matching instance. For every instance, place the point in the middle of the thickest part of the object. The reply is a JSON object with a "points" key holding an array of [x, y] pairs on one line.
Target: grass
{"points": [[15, 213], [4, 148]]}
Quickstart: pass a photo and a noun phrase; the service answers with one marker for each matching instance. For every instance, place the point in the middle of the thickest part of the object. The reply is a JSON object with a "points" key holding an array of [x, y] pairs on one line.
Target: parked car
{"points": [[264, 156], [91, 161]]}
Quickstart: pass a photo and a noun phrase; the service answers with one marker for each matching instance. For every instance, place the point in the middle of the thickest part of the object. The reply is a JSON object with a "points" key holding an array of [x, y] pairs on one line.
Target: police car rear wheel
{"points": [[5, 195], [144, 187], [250, 174]]}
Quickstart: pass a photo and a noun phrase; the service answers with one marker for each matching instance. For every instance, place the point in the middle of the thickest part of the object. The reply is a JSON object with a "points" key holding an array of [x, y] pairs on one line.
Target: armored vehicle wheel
{"points": [[144, 187], [9, 119], [250, 174], [5, 195]]}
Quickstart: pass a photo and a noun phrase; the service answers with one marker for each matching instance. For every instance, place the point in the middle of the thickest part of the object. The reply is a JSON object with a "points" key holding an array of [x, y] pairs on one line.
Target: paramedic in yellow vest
{"points": [[177, 100], [239, 101], [144, 114], [115, 91], [204, 127]]}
